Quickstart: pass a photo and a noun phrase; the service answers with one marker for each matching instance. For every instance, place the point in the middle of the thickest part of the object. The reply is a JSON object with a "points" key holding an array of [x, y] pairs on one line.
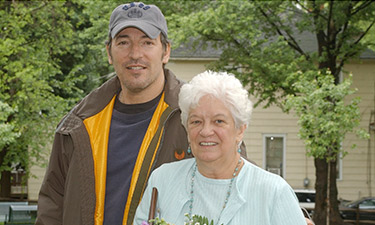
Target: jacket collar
{"points": [[172, 88]]}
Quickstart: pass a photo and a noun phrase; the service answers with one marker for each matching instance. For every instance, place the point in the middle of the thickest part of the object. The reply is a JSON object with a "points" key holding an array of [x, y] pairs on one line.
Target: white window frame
{"points": [[283, 136]]}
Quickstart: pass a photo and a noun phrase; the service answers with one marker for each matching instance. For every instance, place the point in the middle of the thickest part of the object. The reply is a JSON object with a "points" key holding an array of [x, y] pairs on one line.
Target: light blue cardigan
{"points": [[257, 198]]}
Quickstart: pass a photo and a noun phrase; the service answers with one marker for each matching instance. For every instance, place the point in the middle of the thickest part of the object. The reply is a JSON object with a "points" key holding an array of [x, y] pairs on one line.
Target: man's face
{"points": [[138, 60]]}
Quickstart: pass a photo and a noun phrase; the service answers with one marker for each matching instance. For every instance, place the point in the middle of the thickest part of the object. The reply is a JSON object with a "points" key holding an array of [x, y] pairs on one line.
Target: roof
{"points": [[307, 42], [188, 51]]}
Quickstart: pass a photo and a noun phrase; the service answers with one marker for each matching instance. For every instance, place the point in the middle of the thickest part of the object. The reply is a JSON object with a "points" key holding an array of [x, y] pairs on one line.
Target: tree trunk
{"points": [[5, 184], [321, 194], [320, 211], [335, 217]]}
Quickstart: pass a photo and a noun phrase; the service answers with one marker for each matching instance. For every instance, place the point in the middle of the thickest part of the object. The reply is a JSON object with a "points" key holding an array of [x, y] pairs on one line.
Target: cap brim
{"points": [[150, 30]]}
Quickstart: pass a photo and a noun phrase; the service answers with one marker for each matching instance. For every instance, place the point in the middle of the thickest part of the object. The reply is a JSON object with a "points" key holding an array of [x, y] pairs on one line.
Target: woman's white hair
{"points": [[221, 85]]}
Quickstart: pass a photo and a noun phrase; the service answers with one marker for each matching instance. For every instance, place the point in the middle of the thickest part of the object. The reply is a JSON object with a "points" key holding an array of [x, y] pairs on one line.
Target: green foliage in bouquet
{"points": [[196, 219], [158, 221], [190, 220]]}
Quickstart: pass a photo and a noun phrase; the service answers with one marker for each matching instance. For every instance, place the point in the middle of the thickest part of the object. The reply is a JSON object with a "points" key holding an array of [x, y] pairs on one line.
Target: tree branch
{"points": [[312, 10], [329, 22], [351, 54], [320, 35], [288, 38], [341, 40], [39, 7], [364, 33], [302, 6], [361, 7]]}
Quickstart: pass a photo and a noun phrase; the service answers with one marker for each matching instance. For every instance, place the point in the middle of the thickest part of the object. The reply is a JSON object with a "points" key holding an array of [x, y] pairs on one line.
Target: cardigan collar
{"points": [[235, 202]]}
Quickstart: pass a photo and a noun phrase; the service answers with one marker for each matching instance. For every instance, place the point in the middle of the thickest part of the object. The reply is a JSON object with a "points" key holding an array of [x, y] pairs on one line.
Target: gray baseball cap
{"points": [[147, 18]]}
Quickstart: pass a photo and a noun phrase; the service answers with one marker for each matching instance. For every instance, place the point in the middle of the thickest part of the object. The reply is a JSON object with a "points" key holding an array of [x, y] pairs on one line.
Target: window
{"points": [[367, 204], [18, 182], [274, 153]]}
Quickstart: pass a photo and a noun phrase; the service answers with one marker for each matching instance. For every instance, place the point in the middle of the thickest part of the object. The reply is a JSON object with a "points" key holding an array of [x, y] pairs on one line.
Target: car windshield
{"points": [[362, 203], [368, 203]]}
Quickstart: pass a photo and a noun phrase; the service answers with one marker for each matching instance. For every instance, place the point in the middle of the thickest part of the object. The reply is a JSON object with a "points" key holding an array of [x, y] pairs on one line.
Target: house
{"points": [[272, 140]]}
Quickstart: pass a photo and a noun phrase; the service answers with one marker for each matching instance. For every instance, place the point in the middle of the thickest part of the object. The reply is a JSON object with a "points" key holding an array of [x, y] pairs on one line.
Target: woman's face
{"points": [[212, 133]]}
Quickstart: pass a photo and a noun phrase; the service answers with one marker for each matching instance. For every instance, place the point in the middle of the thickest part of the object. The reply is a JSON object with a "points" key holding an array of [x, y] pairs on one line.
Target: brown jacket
{"points": [[67, 195]]}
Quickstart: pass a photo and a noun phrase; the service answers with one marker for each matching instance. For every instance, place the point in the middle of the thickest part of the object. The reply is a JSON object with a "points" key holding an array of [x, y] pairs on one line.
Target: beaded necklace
{"points": [[235, 173]]}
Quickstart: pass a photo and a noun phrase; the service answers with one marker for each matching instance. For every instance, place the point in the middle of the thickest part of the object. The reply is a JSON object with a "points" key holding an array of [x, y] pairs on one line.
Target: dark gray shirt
{"points": [[128, 127]]}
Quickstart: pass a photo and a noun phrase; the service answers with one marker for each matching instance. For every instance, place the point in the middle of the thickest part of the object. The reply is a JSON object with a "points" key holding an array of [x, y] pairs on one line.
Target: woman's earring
{"points": [[189, 150], [239, 147]]}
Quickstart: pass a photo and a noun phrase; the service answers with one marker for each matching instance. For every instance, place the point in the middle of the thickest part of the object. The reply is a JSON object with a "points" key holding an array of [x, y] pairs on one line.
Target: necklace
{"points": [[235, 173]]}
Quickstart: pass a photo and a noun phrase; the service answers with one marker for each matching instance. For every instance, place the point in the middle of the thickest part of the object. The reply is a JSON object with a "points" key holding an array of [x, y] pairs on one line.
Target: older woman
{"points": [[217, 183]]}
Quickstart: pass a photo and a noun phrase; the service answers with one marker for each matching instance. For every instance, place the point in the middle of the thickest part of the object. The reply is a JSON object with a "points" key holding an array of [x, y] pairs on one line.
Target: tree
{"points": [[325, 118], [39, 79], [28, 46], [6, 129], [267, 44]]}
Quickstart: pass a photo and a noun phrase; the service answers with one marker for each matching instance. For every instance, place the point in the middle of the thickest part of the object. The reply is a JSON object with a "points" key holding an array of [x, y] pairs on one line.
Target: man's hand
{"points": [[309, 222]]}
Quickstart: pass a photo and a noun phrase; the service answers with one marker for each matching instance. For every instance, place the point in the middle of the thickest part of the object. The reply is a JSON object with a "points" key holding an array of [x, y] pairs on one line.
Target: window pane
{"points": [[274, 154]]}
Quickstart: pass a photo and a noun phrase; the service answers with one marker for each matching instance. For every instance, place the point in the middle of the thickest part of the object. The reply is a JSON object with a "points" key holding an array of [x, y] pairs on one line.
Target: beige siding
{"points": [[34, 183], [186, 68], [272, 121], [358, 178]]}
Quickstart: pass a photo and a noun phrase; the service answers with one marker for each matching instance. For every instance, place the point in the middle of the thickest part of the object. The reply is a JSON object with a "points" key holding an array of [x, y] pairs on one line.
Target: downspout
{"points": [[371, 129]]}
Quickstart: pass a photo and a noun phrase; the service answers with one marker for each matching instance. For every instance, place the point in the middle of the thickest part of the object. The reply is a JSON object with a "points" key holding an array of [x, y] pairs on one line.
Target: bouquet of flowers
{"points": [[190, 220]]}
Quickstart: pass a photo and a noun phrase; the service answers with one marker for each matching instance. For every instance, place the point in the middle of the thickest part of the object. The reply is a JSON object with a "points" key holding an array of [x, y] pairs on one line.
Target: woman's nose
{"points": [[206, 130]]}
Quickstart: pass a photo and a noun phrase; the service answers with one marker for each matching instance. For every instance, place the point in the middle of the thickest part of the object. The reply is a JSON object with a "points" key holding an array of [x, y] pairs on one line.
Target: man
{"points": [[107, 145]]}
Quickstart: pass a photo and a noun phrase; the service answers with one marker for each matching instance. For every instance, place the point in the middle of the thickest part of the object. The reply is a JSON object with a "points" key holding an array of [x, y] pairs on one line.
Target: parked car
{"points": [[348, 212], [306, 198]]}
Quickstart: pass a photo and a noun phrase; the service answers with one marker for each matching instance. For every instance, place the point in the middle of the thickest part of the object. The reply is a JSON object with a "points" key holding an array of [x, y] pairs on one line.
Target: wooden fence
{"points": [[357, 212]]}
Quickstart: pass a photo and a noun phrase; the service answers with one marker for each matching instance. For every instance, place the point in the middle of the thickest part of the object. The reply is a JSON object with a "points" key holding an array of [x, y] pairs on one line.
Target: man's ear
{"points": [[167, 53], [109, 54]]}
